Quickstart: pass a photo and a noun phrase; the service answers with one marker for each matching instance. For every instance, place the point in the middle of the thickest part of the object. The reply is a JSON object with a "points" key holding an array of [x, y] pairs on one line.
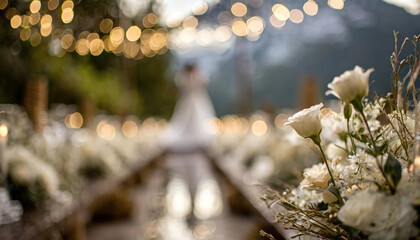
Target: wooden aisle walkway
{"points": [[153, 220]]}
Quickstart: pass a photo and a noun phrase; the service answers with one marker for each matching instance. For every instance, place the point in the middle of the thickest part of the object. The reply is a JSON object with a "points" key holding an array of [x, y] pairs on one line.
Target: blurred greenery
{"points": [[116, 84]]}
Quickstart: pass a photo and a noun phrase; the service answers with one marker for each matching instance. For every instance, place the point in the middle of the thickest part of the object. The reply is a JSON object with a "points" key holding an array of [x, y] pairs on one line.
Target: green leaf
{"points": [[392, 170]]}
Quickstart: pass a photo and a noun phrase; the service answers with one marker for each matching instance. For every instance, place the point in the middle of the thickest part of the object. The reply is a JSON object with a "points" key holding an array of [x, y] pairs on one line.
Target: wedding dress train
{"points": [[186, 130]]}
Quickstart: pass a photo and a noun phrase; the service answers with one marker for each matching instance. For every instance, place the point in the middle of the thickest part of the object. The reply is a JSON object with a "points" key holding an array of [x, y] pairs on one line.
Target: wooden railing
{"points": [[251, 193]]}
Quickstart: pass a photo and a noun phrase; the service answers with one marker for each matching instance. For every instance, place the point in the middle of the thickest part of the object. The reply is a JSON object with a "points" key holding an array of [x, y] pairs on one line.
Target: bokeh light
{"points": [[34, 18], [310, 8], [296, 16], [190, 22], [35, 39], [276, 23], [133, 33], [336, 4], [150, 20], [280, 120], [281, 12], [67, 41], [240, 28], [105, 130], [205, 37], [188, 35], [239, 9], [3, 4], [256, 24], [117, 36], [199, 8], [67, 15], [96, 47], [106, 25], [222, 34], [3, 130], [259, 128], [25, 34], [53, 4], [82, 47], [213, 126], [35, 6], [129, 129], [67, 4], [16, 21], [75, 120]]}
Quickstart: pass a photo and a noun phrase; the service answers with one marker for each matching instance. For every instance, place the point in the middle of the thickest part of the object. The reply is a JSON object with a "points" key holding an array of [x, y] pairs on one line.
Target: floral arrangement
{"points": [[30, 179], [279, 154], [366, 187], [59, 161]]}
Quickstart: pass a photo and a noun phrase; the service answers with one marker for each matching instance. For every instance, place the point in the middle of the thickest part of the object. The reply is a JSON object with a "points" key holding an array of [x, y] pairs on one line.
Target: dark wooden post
{"points": [[36, 101]]}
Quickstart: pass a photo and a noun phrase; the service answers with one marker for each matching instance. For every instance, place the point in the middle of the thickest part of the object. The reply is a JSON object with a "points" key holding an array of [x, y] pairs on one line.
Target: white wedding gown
{"points": [[186, 130]]}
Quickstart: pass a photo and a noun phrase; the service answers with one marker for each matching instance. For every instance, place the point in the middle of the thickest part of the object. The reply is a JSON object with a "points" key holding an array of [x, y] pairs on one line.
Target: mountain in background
{"points": [[323, 46]]}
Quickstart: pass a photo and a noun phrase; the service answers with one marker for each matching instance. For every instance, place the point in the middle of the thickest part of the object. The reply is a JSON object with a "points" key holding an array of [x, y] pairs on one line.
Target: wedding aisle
{"points": [[163, 206]]}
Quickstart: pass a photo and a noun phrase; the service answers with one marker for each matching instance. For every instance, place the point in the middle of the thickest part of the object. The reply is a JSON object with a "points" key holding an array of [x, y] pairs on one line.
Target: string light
{"points": [[135, 42]]}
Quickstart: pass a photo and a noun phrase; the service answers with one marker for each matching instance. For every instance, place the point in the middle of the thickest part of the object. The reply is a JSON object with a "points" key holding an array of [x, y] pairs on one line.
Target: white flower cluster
{"points": [[278, 154], [42, 165], [379, 215], [363, 163]]}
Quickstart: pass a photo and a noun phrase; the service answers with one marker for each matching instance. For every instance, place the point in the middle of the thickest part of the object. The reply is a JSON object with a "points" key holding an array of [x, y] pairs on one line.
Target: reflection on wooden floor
{"points": [[183, 200]]}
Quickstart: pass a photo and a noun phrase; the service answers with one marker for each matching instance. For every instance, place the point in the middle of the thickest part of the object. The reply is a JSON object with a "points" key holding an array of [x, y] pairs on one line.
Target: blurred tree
{"points": [[116, 84]]}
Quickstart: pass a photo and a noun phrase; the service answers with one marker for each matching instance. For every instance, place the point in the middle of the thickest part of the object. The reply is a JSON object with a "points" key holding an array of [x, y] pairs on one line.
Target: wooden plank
{"points": [[251, 193]]}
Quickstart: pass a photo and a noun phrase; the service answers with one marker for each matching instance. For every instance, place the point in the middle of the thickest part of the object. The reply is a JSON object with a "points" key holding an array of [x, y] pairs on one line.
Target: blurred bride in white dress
{"points": [[186, 130]]}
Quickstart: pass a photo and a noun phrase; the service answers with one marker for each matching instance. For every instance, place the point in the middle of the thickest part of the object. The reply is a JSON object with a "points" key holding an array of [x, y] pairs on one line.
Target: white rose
{"points": [[307, 122], [315, 177], [380, 216], [350, 85], [363, 209]]}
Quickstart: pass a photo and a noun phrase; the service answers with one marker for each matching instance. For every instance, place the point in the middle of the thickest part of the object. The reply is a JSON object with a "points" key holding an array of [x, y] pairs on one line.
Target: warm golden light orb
{"points": [[133, 33], [336, 4], [239, 9], [35, 6], [259, 128], [296, 16], [310, 8], [281, 12], [240, 28], [106, 25]]}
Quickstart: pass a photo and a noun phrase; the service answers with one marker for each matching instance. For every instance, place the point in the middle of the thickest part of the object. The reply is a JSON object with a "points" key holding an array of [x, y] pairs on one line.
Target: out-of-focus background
{"points": [[269, 62], [160, 119]]}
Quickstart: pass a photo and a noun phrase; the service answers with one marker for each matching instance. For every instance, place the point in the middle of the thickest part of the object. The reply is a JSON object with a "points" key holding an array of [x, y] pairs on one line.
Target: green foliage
{"points": [[116, 84], [393, 171]]}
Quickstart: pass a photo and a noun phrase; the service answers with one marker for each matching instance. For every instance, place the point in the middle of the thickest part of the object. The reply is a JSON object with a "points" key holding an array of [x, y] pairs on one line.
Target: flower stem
{"points": [[351, 138], [317, 141], [374, 147]]}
